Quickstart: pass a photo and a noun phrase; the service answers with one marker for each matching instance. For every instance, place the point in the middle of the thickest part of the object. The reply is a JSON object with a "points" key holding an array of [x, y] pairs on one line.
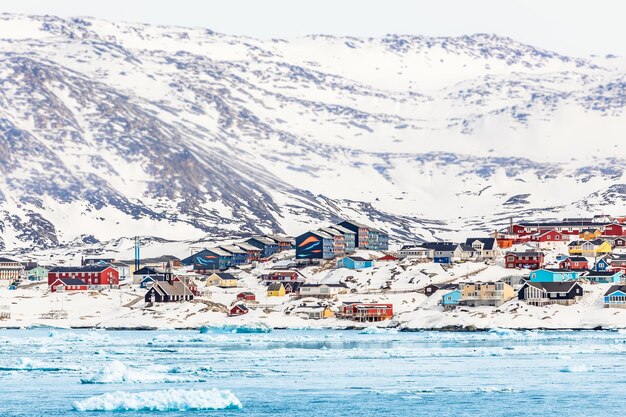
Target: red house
{"points": [[68, 284], [366, 312], [284, 275], [619, 242], [246, 296], [524, 260], [549, 238], [95, 276], [238, 310], [574, 263], [614, 229]]}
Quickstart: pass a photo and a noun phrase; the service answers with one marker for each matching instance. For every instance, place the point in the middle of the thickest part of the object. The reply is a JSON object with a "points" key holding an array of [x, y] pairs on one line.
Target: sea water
{"points": [[223, 371]]}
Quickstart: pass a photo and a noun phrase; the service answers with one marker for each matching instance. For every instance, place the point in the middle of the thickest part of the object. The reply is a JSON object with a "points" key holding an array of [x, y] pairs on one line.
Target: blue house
{"points": [[615, 296], [239, 255], [268, 246], [209, 260], [601, 265], [356, 262], [315, 245], [451, 299], [553, 275], [604, 277]]}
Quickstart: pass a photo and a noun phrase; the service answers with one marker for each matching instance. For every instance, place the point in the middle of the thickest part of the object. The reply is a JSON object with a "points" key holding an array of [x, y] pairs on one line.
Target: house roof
{"points": [[279, 238], [615, 288], [488, 242], [357, 258], [335, 285], [357, 224], [224, 275], [71, 281], [593, 273], [242, 307], [247, 247], [149, 270], [342, 229], [87, 268], [576, 258], [553, 286], [7, 260], [529, 253], [262, 239], [232, 249], [557, 270], [330, 231], [172, 288], [275, 286], [246, 293], [440, 246]]}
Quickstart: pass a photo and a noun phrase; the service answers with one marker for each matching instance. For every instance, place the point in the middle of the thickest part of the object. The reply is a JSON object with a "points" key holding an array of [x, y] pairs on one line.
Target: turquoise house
{"points": [[451, 299], [553, 275], [604, 277], [356, 262], [615, 296]]}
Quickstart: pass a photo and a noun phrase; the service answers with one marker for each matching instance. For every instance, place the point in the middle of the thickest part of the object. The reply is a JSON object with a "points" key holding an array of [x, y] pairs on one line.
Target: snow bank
{"points": [[377, 330], [162, 400], [237, 328]]}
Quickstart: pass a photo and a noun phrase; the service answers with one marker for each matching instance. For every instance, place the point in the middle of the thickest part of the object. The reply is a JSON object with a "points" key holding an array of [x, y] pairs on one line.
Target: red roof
{"points": [[388, 258]]}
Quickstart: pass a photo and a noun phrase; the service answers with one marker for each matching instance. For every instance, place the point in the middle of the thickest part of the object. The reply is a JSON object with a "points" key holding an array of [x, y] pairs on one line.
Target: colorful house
{"points": [[451, 299], [268, 246], [377, 240], [168, 291], [601, 264], [548, 239], [37, 273], [614, 229], [10, 270], [349, 238], [222, 280], [590, 234], [615, 297], [254, 253], [284, 242], [366, 312], [361, 232], [246, 296], [475, 294], [68, 284], [486, 247], [238, 255], [95, 276], [544, 293], [433, 288], [238, 310], [574, 262], [604, 277], [275, 289], [356, 262], [209, 260], [315, 245], [339, 242], [524, 260], [590, 248], [553, 275], [287, 275], [141, 275]]}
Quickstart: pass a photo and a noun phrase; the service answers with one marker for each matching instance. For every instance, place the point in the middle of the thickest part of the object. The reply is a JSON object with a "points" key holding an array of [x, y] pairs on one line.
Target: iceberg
{"points": [[236, 328], [160, 400]]}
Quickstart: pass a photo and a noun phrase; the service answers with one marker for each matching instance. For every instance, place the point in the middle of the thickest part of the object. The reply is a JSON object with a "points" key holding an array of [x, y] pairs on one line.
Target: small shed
{"points": [[238, 310], [246, 296]]}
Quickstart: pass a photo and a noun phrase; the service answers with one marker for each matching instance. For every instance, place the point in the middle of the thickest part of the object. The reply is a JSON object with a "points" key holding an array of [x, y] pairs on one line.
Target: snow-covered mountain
{"points": [[112, 130]]}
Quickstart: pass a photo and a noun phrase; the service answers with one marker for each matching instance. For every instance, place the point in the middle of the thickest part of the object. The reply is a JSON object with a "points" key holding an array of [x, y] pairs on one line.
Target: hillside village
{"points": [[533, 274]]}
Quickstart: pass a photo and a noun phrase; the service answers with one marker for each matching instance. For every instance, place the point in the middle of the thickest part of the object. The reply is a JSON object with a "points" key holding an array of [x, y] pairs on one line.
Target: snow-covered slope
{"points": [[112, 130]]}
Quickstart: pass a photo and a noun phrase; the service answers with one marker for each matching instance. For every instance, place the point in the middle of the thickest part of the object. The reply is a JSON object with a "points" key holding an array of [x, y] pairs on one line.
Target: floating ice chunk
{"points": [[576, 369], [161, 400], [235, 328]]}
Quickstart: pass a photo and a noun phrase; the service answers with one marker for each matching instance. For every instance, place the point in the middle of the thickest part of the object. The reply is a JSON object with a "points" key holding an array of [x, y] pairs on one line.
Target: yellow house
{"points": [[276, 289], [222, 279], [485, 293], [590, 234], [591, 248]]}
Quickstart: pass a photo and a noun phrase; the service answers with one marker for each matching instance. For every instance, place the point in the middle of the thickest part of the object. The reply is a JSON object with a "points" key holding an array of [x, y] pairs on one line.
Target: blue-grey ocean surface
{"points": [[222, 371]]}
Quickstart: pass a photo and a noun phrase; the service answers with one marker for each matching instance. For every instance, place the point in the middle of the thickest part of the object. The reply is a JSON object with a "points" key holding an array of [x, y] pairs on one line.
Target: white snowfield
{"points": [[390, 282], [116, 129]]}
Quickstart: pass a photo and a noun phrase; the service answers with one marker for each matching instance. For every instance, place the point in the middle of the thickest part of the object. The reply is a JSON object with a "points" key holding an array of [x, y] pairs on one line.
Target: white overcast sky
{"points": [[573, 27]]}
